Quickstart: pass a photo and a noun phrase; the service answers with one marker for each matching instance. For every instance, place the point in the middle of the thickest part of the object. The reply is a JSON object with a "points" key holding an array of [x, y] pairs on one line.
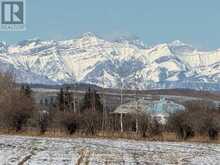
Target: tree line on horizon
{"points": [[19, 112]]}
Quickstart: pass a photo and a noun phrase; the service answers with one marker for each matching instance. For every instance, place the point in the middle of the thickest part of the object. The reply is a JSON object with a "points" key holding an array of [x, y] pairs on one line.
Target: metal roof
{"points": [[161, 106]]}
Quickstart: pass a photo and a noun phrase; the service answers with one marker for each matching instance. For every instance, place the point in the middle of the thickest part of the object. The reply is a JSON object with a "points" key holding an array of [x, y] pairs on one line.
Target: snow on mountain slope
{"points": [[90, 59]]}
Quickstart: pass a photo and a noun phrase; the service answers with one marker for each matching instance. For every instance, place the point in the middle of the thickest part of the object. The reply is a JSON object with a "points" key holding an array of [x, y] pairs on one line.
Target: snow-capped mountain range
{"points": [[91, 59]]}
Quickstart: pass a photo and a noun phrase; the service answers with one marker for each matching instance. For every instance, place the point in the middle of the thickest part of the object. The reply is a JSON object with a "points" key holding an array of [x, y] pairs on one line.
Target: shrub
{"points": [[198, 118], [70, 122], [91, 122], [43, 121], [143, 124], [155, 128], [16, 110]]}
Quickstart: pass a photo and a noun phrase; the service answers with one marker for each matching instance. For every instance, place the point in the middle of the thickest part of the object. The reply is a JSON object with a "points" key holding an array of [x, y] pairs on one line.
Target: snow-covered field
{"points": [[16, 150]]}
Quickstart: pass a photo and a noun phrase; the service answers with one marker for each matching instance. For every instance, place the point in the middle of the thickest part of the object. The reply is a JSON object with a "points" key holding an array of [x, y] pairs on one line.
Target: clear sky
{"points": [[196, 22]]}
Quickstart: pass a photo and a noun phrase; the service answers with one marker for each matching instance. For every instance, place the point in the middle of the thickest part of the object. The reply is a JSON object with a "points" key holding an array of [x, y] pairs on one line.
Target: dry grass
{"points": [[57, 133]]}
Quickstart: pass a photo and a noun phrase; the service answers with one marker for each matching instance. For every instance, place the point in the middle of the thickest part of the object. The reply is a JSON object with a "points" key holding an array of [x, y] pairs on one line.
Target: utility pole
{"points": [[122, 90], [121, 115], [74, 99], [93, 101], [73, 91], [121, 122], [78, 82], [136, 98], [103, 97]]}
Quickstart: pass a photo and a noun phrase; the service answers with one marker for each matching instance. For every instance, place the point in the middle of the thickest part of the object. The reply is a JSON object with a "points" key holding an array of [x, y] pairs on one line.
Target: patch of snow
{"points": [[47, 151]]}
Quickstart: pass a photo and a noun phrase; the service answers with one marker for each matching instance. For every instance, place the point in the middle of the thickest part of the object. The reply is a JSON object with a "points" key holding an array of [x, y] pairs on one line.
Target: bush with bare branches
{"points": [[16, 108], [198, 118]]}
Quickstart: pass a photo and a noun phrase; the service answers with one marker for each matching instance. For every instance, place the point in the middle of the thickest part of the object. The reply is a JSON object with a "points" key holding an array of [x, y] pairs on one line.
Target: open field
{"points": [[18, 150]]}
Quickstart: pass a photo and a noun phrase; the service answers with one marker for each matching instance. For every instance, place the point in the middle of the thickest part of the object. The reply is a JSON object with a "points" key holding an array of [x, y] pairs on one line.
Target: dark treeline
{"points": [[90, 116]]}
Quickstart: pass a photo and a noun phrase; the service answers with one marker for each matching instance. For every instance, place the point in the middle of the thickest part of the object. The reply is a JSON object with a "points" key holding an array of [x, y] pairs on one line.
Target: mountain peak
{"points": [[3, 45], [88, 35], [29, 41], [177, 43], [133, 40], [179, 47], [168, 65]]}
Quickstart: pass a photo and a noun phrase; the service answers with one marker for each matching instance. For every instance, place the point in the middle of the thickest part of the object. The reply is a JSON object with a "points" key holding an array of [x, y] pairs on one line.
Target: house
{"points": [[157, 109]]}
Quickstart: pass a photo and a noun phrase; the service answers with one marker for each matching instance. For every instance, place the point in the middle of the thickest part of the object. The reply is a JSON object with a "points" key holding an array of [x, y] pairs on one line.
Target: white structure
{"points": [[158, 109]]}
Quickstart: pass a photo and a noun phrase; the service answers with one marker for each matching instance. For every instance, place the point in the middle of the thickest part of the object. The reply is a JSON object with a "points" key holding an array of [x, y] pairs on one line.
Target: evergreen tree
{"points": [[61, 100], [46, 102], [218, 108], [65, 99], [92, 101], [68, 99], [26, 91], [98, 103], [87, 102]]}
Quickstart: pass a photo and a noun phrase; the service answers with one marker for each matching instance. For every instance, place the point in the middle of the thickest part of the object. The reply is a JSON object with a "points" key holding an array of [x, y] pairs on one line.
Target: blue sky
{"points": [[154, 21]]}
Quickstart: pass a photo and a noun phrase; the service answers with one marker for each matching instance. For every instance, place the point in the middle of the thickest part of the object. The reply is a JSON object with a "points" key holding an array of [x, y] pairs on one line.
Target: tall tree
{"points": [[65, 100], [26, 91], [92, 101], [61, 100], [68, 99], [87, 102], [16, 106]]}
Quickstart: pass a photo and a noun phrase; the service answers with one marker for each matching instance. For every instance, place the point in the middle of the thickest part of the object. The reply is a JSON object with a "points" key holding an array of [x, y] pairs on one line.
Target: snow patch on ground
{"points": [[30, 150]]}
